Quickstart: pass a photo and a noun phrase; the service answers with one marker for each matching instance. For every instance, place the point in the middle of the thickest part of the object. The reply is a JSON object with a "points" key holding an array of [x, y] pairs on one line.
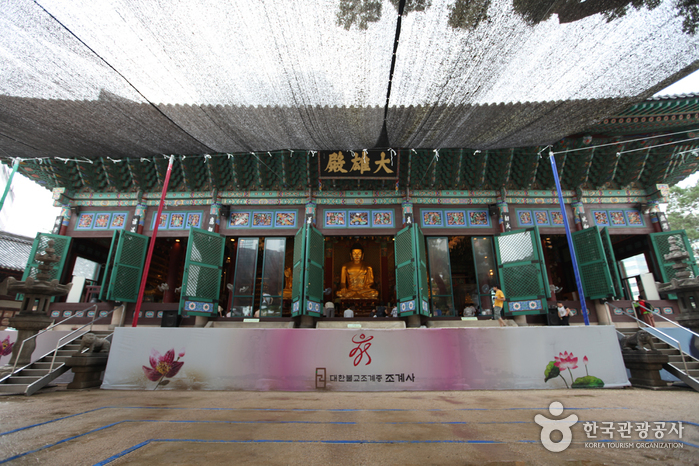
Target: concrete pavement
{"points": [[88, 427]]}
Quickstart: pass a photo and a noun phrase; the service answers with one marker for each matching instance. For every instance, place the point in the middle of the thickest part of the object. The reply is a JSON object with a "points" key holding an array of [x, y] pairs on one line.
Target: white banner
{"points": [[365, 359]]}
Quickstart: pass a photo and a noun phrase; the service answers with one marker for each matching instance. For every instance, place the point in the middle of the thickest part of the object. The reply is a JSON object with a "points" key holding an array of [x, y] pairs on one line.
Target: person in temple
{"points": [[356, 277]]}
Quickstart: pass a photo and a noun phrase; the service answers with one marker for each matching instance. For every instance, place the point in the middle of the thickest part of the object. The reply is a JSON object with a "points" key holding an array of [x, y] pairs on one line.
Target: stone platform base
{"points": [[360, 324], [645, 368], [468, 323], [260, 324], [88, 370]]}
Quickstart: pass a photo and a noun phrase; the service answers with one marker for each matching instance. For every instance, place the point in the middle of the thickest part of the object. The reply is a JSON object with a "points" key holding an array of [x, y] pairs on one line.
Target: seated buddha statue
{"points": [[288, 282], [357, 277]]}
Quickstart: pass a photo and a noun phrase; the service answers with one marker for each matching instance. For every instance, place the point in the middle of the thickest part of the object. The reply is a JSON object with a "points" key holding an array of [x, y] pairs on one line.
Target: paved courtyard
{"points": [[472, 427]]}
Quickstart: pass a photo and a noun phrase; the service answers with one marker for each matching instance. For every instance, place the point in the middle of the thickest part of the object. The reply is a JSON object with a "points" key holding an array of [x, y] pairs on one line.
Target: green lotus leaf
{"points": [[589, 381], [551, 371]]}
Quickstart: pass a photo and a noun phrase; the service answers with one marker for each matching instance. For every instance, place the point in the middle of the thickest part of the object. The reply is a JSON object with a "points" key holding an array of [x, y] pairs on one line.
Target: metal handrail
{"points": [[21, 347], [679, 345], [669, 320], [58, 343]]}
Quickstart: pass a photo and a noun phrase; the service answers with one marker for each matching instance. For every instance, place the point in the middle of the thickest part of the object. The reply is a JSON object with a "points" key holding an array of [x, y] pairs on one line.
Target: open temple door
{"points": [[611, 261], [41, 242], [595, 271], [309, 260], [522, 271], [201, 282], [124, 267], [411, 272]]}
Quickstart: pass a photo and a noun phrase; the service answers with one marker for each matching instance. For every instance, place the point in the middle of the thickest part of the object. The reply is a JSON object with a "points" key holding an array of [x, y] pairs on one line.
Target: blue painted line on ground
{"points": [[49, 422], [68, 439], [123, 453], [182, 421]]}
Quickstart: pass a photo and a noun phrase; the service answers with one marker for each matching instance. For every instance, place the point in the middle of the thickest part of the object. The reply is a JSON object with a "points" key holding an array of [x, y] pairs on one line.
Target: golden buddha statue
{"points": [[357, 277], [288, 282]]}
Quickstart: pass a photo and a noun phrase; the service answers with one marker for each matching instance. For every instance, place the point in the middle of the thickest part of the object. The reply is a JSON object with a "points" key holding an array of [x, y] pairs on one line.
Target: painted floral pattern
{"points": [[556, 218], [617, 218], [478, 218], [382, 218], [601, 218], [525, 218], [193, 220], [634, 218], [261, 220], [359, 218], [335, 218], [6, 346], [163, 221], [542, 218], [285, 219], [102, 220], [118, 220], [455, 218], [432, 218], [177, 221], [163, 366], [239, 219], [85, 221]]}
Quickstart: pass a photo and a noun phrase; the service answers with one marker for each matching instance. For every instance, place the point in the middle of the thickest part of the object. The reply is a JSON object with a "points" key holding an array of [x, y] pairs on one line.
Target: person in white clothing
{"points": [[349, 313]]}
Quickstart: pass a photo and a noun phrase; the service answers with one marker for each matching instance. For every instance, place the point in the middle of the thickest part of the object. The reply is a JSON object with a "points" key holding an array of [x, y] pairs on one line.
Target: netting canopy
{"points": [[131, 78]]}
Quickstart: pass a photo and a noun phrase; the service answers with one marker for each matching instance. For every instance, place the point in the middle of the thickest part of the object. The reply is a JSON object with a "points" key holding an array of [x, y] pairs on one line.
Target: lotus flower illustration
{"points": [[568, 361], [6, 346], [165, 366]]}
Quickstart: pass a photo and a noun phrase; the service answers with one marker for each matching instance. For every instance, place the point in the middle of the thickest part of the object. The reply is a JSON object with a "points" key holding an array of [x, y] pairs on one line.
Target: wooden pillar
{"points": [[384, 274], [328, 268], [139, 217], [215, 217], [64, 219], [173, 272]]}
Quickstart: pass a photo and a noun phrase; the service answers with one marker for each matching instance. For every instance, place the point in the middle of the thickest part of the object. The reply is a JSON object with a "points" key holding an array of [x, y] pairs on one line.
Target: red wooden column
{"points": [[149, 255], [173, 271]]}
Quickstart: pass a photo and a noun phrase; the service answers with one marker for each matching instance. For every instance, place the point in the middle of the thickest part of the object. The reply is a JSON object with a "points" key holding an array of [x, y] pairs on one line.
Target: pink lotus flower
{"points": [[6, 346], [566, 361], [163, 366]]}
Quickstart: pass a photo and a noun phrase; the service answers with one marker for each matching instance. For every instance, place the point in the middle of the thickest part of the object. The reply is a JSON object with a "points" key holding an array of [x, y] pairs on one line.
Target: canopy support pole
{"points": [[15, 164], [151, 246], [578, 282]]}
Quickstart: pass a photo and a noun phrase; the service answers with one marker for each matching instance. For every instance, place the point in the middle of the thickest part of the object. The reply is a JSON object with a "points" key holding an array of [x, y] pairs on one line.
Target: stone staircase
{"points": [[37, 375], [674, 366]]}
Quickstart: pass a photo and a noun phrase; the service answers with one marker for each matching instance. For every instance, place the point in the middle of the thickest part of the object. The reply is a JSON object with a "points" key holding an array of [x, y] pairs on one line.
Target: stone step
{"points": [[34, 372], [12, 388], [23, 380]]}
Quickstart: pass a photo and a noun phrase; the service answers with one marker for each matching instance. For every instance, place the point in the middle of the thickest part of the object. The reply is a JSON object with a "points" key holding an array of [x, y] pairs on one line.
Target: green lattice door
{"points": [[592, 264], [201, 282], [41, 242], [661, 246], [123, 280], [315, 259], [611, 261], [520, 266], [411, 271], [299, 255], [307, 291], [108, 266]]}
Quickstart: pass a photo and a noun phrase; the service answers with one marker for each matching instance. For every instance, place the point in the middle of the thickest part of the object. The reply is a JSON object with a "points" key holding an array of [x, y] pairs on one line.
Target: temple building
{"points": [[276, 235]]}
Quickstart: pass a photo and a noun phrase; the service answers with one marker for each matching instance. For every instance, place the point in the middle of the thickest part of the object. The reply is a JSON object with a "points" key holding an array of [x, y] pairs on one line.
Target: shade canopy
{"points": [[131, 78]]}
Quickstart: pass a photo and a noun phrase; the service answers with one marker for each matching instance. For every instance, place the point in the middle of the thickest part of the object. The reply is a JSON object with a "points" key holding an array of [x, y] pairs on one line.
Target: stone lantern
{"points": [[33, 315]]}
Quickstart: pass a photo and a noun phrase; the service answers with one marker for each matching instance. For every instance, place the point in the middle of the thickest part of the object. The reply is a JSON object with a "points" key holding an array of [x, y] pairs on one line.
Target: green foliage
{"points": [[588, 381], [683, 211], [551, 371]]}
